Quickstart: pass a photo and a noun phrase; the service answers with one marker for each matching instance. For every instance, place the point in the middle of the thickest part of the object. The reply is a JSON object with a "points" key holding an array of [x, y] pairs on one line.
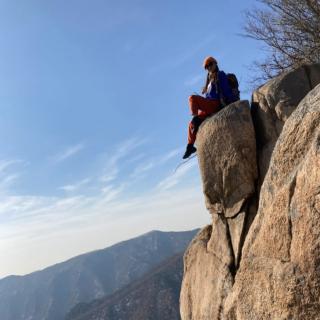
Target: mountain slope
{"points": [[49, 294], [153, 297]]}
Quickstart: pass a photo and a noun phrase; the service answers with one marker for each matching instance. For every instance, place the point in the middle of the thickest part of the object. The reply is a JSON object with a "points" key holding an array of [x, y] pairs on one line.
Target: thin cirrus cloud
{"points": [[75, 186], [9, 173], [102, 180], [176, 177], [30, 208], [91, 223], [183, 57], [42, 216], [170, 155], [142, 169], [192, 81], [8, 180], [112, 166], [68, 153], [29, 220], [4, 164], [107, 187]]}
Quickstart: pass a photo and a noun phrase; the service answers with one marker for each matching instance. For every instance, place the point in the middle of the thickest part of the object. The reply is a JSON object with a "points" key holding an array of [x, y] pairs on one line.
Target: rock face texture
{"points": [[273, 103], [227, 158], [207, 279], [237, 269], [282, 251]]}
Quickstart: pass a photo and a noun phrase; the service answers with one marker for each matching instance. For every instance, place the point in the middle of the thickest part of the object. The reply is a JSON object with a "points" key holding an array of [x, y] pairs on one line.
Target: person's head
{"points": [[210, 64]]}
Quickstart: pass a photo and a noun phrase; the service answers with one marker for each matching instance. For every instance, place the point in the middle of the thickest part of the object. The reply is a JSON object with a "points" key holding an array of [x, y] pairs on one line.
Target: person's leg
{"points": [[193, 104], [191, 133], [194, 125], [200, 108], [193, 128], [199, 104], [189, 151]]}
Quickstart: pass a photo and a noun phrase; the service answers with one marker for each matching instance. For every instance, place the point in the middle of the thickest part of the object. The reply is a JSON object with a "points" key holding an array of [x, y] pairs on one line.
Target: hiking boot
{"points": [[189, 151]]}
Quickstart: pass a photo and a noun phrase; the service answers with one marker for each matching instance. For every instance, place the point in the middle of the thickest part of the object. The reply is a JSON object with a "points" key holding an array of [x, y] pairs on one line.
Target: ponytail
{"points": [[205, 88]]}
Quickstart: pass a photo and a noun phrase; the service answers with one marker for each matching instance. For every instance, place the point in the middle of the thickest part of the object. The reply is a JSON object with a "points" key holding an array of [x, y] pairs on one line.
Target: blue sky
{"points": [[94, 113]]}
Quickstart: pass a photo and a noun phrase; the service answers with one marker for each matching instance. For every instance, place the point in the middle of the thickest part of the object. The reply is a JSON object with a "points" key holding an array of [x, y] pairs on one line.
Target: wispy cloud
{"points": [[68, 152], [109, 194], [174, 178], [192, 81], [137, 157], [110, 173], [75, 186], [8, 180], [170, 155], [15, 208], [113, 206], [126, 148], [9, 173], [4, 164], [88, 223], [154, 162], [185, 56], [142, 169]]}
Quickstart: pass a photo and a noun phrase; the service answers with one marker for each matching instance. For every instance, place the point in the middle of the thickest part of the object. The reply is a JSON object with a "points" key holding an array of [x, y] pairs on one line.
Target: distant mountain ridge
{"points": [[49, 294], [155, 296]]}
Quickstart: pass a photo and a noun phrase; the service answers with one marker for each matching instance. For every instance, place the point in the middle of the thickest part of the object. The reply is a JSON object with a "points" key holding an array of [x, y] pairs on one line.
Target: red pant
{"points": [[201, 107]]}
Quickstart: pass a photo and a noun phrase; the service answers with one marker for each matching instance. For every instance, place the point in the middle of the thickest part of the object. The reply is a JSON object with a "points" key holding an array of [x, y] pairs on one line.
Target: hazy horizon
{"points": [[92, 251]]}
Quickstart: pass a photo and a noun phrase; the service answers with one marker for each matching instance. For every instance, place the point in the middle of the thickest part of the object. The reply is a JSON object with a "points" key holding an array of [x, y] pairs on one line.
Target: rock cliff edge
{"points": [[260, 169]]}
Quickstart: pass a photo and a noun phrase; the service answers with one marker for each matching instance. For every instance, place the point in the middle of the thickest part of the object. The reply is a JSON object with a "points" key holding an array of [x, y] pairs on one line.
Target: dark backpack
{"points": [[234, 85]]}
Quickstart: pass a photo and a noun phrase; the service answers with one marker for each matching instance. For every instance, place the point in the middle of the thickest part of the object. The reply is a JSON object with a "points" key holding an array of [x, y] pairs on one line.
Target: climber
{"points": [[217, 94]]}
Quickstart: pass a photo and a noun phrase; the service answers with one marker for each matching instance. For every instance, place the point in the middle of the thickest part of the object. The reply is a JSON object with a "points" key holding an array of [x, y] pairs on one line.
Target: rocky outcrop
{"points": [[237, 269], [227, 158], [272, 105], [207, 278], [279, 276]]}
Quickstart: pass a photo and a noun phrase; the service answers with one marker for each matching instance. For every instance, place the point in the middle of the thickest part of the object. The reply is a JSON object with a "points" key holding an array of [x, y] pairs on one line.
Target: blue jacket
{"points": [[214, 93]]}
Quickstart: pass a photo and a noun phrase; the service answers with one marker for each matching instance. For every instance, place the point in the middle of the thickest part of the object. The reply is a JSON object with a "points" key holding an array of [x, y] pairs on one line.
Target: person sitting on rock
{"points": [[217, 94]]}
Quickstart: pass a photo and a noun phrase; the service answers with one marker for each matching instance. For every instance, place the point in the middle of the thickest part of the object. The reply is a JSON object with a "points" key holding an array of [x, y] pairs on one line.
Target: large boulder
{"points": [[207, 277], [279, 275], [272, 105], [227, 158]]}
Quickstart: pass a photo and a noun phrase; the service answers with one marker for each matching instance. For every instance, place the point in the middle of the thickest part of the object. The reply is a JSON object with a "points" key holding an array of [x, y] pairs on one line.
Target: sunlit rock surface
{"points": [[260, 257]]}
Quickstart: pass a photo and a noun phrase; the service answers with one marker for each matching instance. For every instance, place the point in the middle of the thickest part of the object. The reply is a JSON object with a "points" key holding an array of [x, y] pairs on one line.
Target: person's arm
{"points": [[208, 92], [225, 89], [204, 89]]}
